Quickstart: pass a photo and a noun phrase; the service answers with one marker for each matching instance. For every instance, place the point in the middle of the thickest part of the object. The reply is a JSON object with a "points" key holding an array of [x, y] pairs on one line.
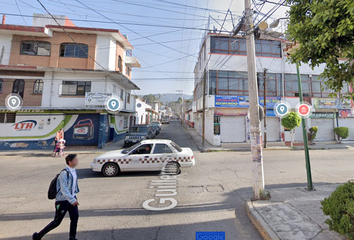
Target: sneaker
{"points": [[35, 236]]}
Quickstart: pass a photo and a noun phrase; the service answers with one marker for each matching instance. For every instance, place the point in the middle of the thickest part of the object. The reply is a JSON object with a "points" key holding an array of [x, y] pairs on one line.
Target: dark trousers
{"points": [[60, 210]]}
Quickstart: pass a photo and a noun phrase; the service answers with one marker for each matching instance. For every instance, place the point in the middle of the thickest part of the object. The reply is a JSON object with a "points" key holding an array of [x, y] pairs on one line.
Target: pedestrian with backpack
{"points": [[63, 189]]}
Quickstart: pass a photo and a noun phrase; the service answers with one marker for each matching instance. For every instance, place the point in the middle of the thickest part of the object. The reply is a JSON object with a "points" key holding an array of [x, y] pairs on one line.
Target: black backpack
{"points": [[52, 191]]}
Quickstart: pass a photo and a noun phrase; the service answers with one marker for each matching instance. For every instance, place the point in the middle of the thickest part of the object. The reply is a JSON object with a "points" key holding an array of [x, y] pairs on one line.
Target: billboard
{"points": [[242, 101]]}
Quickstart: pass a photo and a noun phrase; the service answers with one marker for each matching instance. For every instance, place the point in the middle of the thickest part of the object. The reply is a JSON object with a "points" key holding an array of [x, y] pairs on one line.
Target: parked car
{"points": [[166, 120], [148, 155], [138, 133], [156, 129], [156, 124]]}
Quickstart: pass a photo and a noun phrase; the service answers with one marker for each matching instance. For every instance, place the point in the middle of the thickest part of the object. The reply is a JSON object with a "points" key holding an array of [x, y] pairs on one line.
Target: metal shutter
{"points": [[273, 129], [325, 129], [232, 129], [349, 123]]}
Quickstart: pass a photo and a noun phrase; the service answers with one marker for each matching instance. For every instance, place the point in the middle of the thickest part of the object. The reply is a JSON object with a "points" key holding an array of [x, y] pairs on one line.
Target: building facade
{"points": [[224, 60], [64, 74]]}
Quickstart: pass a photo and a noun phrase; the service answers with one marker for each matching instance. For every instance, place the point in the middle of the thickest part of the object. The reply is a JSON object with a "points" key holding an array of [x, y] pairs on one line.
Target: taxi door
{"points": [[140, 158], [161, 154]]}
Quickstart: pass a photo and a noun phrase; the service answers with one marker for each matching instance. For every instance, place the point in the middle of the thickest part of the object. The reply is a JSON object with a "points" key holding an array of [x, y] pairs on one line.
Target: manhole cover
{"points": [[214, 188], [195, 189]]}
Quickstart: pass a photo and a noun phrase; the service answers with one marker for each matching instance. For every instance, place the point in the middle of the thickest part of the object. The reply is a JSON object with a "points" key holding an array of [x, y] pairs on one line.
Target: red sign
{"points": [[304, 109], [24, 125]]}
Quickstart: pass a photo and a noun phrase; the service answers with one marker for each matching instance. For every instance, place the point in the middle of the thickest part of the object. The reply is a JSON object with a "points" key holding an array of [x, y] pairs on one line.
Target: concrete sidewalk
{"points": [[293, 213], [197, 138]]}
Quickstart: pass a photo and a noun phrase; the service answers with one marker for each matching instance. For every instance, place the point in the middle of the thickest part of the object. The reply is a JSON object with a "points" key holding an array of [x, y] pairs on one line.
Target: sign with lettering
{"points": [[322, 115], [327, 103], [242, 101], [346, 113], [26, 125]]}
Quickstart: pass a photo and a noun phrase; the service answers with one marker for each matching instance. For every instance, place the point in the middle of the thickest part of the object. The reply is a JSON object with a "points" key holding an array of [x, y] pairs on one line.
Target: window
{"points": [[232, 83], [35, 48], [143, 149], [127, 70], [114, 89], [273, 84], [120, 64], [75, 88], [128, 97], [122, 94], [292, 87], [161, 148], [38, 86], [18, 87], [178, 148], [125, 123], [73, 50], [1, 85], [7, 117], [129, 53], [319, 88], [227, 45]]}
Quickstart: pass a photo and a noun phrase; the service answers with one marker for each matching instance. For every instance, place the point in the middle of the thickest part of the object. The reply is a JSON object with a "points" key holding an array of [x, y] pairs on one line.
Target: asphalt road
{"points": [[210, 196]]}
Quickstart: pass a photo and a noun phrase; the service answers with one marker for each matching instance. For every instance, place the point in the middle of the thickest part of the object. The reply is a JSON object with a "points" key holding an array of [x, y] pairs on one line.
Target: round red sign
{"points": [[304, 109]]}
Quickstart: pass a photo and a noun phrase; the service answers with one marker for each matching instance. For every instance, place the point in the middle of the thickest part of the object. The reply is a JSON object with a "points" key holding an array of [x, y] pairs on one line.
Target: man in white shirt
{"points": [[65, 200]]}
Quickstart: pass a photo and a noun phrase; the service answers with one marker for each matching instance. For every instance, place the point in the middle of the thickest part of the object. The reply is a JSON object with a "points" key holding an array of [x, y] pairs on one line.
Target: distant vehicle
{"points": [[148, 155], [166, 120], [138, 133]]}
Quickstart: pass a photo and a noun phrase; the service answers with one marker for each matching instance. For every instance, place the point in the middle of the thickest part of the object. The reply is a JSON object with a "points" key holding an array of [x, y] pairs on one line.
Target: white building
{"points": [[225, 61]]}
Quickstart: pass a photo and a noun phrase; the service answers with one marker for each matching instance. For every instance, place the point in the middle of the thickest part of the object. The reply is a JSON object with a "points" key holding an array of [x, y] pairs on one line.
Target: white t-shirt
{"points": [[73, 173]]}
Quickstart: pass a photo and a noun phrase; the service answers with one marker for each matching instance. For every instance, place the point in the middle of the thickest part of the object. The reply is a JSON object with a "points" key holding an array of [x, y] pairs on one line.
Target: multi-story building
{"points": [[224, 59], [64, 74]]}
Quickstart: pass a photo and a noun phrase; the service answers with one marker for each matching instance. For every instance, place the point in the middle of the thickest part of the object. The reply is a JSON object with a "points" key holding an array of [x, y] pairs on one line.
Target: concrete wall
{"points": [[106, 53]]}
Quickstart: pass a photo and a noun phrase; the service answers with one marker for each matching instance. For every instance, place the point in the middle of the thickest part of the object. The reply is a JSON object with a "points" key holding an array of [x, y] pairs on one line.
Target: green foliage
{"points": [[340, 207], [291, 121], [150, 98], [312, 133], [325, 32], [342, 132]]}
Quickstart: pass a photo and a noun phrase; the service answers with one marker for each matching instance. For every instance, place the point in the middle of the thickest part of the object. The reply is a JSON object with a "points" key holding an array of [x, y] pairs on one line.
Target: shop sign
{"points": [[93, 99], [346, 113], [322, 115], [22, 111], [325, 103], [230, 112], [26, 125], [242, 101]]}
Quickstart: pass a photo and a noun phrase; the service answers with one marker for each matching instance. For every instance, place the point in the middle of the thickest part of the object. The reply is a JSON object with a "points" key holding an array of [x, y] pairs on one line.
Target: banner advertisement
{"points": [[346, 113], [242, 101], [325, 103], [93, 99]]}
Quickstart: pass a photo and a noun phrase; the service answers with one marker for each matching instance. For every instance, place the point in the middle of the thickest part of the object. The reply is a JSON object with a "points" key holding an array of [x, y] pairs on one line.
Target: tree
{"points": [[342, 133], [291, 121], [150, 98], [324, 33]]}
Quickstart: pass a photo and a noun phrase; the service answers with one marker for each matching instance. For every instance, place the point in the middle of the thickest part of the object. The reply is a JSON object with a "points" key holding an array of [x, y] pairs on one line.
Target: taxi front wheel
{"points": [[110, 170]]}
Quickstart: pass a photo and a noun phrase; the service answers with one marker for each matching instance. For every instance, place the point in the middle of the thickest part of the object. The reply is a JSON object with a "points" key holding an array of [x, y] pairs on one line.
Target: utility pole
{"points": [[204, 86], [255, 128], [265, 106], [304, 135], [181, 91]]}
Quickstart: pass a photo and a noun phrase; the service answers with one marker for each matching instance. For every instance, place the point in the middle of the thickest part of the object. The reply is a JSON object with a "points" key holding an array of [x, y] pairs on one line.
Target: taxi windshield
{"points": [[127, 150], [139, 129]]}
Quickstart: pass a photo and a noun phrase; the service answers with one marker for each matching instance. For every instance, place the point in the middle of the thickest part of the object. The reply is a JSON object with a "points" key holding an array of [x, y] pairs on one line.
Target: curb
{"points": [[263, 228]]}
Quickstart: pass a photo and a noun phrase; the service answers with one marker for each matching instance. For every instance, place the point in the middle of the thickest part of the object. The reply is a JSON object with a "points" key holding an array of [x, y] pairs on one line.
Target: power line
{"points": [[133, 30], [121, 23]]}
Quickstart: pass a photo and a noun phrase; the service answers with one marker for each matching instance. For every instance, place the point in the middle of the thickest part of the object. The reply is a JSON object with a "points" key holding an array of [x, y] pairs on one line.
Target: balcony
{"points": [[132, 62]]}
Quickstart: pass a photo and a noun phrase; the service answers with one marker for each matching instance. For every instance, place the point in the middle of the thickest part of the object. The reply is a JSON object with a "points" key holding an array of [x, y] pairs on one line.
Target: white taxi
{"points": [[148, 155]]}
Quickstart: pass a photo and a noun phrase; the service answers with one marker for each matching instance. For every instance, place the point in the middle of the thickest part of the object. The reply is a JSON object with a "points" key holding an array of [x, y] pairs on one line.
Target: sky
{"points": [[166, 34]]}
